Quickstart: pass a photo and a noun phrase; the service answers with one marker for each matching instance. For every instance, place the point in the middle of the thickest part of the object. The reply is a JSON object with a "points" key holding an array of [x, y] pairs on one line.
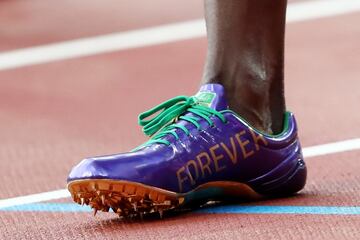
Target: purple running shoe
{"points": [[199, 150]]}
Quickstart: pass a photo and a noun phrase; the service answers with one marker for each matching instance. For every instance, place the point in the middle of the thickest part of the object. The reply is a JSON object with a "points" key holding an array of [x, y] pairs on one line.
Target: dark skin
{"points": [[246, 55]]}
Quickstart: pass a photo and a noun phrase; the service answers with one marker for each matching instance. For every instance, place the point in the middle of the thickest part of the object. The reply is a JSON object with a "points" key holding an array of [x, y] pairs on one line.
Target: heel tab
{"points": [[290, 121]]}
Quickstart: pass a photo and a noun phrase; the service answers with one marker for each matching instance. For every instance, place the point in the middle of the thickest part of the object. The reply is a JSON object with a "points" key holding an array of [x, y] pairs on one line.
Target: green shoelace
{"points": [[169, 112]]}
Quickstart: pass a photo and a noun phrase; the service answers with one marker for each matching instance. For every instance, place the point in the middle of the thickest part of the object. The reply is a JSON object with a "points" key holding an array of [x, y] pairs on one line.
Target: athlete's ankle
{"points": [[255, 103]]}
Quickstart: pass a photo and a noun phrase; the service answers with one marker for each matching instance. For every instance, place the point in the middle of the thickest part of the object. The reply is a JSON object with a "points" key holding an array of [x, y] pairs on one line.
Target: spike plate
{"points": [[131, 199], [127, 199]]}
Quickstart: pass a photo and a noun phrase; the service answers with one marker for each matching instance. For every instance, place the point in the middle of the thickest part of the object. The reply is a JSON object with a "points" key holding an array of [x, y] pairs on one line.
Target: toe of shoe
{"points": [[88, 168], [120, 166]]}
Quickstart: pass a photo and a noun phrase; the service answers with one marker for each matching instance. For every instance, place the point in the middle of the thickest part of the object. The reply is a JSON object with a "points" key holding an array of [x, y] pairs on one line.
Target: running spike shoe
{"points": [[199, 150]]}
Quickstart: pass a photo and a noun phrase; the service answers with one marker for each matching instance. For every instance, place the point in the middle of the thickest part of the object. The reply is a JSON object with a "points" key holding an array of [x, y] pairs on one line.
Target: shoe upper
{"points": [[209, 143]]}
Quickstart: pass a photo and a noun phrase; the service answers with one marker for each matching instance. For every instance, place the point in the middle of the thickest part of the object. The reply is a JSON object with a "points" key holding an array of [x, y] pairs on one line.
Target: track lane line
{"points": [[308, 152], [330, 148], [34, 198], [229, 209], [261, 209], [83, 47]]}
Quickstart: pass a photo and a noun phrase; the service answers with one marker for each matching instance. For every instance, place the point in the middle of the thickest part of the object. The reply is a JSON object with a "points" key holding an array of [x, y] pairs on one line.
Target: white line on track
{"points": [[34, 198], [318, 150], [330, 148], [155, 35]]}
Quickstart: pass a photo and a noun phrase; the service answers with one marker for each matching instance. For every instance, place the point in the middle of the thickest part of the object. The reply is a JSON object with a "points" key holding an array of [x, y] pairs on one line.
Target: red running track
{"points": [[54, 114]]}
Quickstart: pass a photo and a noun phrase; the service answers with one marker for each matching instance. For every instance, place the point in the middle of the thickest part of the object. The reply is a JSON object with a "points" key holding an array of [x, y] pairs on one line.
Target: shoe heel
{"points": [[289, 184]]}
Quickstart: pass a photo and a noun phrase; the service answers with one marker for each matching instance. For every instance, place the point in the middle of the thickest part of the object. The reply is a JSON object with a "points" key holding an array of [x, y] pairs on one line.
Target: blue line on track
{"points": [[234, 209], [47, 207], [317, 210]]}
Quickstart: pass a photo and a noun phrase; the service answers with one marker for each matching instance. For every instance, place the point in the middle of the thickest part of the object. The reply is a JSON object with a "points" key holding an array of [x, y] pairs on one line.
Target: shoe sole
{"points": [[131, 199]]}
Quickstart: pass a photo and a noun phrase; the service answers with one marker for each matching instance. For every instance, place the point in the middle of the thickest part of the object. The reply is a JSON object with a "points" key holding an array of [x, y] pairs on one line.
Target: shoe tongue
{"points": [[213, 96]]}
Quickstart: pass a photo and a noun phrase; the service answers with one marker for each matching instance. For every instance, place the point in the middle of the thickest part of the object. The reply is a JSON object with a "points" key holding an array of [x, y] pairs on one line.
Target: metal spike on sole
{"points": [[161, 213], [134, 206]]}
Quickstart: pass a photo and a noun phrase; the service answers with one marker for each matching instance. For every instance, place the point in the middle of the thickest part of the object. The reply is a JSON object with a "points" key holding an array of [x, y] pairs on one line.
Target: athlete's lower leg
{"points": [[245, 55]]}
